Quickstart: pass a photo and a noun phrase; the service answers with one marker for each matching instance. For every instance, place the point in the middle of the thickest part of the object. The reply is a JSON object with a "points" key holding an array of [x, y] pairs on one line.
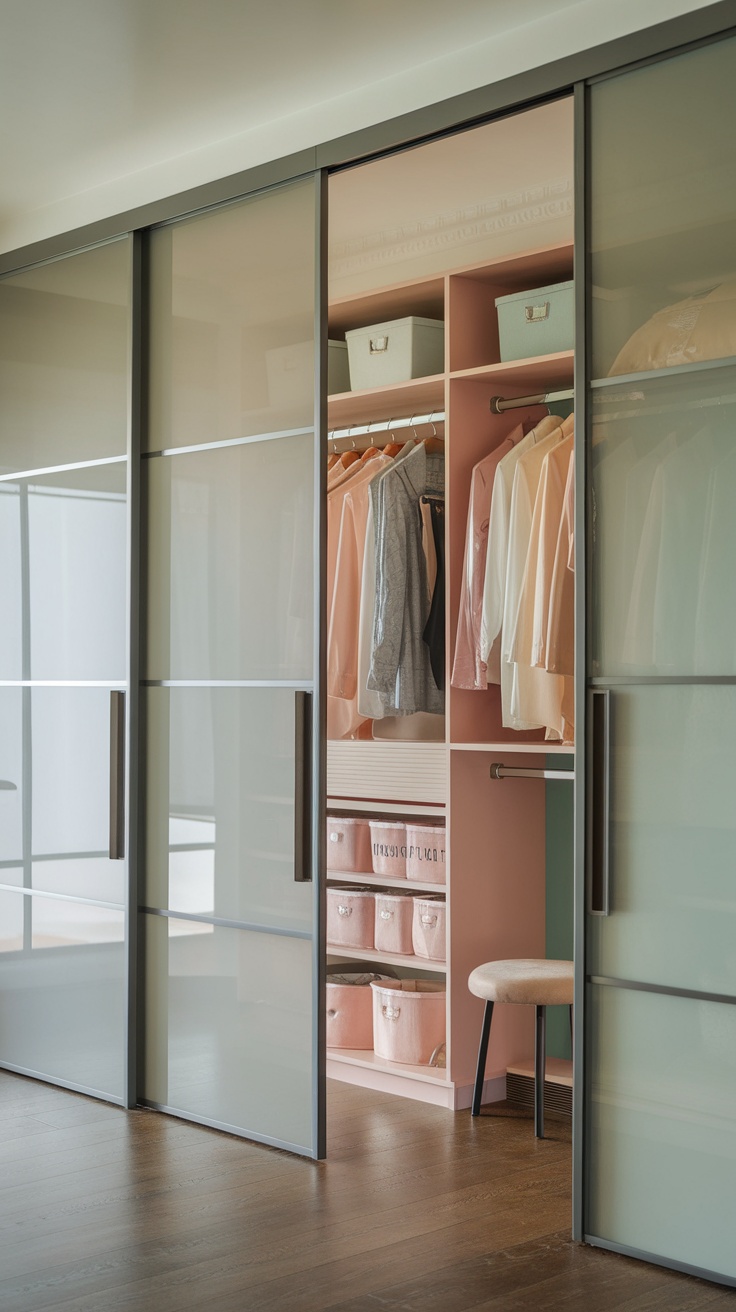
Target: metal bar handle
{"points": [[117, 775], [599, 879], [302, 787], [501, 771]]}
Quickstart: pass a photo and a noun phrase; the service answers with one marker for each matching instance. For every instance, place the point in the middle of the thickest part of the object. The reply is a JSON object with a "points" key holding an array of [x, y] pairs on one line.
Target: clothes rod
{"points": [[498, 404], [386, 425], [501, 771]]}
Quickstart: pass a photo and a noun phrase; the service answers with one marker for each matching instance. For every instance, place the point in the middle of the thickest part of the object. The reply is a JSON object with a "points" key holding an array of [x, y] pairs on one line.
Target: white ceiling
{"points": [[109, 103]]}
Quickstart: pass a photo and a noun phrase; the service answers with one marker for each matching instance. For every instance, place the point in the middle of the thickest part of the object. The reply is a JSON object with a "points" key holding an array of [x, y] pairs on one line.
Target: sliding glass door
{"points": [[661, 963], [231, 485], [64, 601]]}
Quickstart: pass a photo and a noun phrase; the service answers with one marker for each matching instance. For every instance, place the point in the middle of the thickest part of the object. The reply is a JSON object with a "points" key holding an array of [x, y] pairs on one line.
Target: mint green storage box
{"points": [[537, 322]]}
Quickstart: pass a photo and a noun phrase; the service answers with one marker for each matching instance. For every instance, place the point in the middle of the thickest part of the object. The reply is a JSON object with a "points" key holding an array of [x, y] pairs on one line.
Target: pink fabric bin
{"points": [[350, 1010], [394, 915], [408, 1020], [425, 853], [348, 844], [350, 913], [429, 928], [388, 847]]}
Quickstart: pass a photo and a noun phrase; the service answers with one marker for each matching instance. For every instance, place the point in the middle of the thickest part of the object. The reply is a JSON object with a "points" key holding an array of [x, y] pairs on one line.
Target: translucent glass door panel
{"points": [[228, 1027], [672, 839], [230, 488], [230, 588], [64, 373], [661, 1085], [663, 1126], [222, 774]]}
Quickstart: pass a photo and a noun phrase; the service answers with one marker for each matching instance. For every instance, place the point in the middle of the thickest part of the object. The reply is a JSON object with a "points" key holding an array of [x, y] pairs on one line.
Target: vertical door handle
{"points": [[117, 776], [302, 787], [599, 888]]}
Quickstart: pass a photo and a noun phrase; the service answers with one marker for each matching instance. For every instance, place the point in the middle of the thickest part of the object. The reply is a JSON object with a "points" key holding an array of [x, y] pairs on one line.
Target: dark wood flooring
{"points": [[417, 1210]]}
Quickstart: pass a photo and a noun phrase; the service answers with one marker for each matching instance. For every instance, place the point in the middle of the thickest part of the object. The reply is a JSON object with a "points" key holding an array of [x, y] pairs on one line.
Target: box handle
{"points": [[429, 920], [387, 915], [391, 1013], [536, 313], [378, 345], [336, 838], [344, 911]]}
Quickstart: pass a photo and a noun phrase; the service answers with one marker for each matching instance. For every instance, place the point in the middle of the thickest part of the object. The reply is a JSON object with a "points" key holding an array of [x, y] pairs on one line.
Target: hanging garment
{"points": [[434, 629], [494, 584], [668, 566], [428, 547], [343, 717], [702, 327], [370, 703], [400, 666], [469, 669], [535, 699], [559, 650], [529, 640]]}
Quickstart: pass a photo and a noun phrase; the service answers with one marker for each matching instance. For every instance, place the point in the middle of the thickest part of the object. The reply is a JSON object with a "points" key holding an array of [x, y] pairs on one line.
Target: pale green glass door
{"points": [[231, 486], [65, 331], [660, 1139]]}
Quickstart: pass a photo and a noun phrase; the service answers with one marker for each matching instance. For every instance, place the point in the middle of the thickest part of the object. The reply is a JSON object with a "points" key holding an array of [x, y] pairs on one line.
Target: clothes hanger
{"points": [[434, 445], [392, 448], [349, 458]]}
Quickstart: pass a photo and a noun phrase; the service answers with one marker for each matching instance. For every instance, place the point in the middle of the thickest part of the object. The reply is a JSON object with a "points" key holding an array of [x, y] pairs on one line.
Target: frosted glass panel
{"points": [[230, 541], [11, 772], [228, 1027], [663, 466], [64, 337], [71, 792], [663, 213], [662, 1126], [672, 840], [232, 321], [220, 805], [62, 999]]}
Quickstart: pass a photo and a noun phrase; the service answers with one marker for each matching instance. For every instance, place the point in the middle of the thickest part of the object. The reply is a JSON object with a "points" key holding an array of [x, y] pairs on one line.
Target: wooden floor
{"points": [[417, 1210]]}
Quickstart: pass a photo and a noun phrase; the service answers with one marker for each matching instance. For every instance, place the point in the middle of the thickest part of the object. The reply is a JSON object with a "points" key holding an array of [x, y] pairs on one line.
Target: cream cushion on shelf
{"points": [[539, 983]]}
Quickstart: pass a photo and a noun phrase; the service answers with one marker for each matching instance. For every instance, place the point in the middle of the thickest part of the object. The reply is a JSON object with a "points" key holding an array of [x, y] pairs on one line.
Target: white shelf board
{"points": [[388, 958], [369, 1061], [351, 804], [381, 881], [527, 749]]}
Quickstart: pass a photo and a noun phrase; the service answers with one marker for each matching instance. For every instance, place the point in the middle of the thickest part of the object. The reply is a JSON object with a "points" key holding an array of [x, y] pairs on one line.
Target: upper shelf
{"points": [[537, 372], [416, 396], [425, 297]]}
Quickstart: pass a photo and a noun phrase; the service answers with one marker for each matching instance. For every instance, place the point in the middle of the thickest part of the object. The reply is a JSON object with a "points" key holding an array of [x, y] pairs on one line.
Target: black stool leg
{"points": [[540, 1047], [482, 1054]]}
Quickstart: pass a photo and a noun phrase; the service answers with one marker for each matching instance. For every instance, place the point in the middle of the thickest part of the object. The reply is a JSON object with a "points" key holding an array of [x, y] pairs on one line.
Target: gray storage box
{"points": [[290, 372], [537, 322], [394, 351]]}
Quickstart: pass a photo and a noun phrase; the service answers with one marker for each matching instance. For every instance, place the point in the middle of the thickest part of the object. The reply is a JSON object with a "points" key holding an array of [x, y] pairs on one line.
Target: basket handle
{"points": [[344, 911], [429, 920], [391, 1013]]}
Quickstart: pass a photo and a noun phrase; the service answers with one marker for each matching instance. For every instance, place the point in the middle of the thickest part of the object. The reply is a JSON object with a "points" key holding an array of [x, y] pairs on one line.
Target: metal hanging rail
{"points": [[499, 404], [345, 439], [501, 771]]}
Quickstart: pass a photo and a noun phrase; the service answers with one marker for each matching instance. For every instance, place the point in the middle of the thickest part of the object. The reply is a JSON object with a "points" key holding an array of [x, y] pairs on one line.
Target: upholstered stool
{"points": [[540, 984]]}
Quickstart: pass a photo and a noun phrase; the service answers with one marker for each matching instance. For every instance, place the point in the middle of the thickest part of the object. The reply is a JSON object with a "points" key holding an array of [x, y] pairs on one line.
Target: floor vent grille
{"points": [[520, 1092]]}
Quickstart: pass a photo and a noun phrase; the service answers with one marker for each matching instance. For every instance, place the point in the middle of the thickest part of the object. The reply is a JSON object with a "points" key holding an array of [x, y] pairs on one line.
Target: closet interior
{"points": [[433, 864]]}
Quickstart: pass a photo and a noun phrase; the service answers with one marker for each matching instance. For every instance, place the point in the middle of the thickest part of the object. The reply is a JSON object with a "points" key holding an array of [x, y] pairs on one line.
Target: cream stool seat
{"points": [[536, 983]]}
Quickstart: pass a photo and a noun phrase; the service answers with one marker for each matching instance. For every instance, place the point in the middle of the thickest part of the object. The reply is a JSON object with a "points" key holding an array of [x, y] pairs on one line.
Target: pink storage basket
{"points": [[350, 913], [408, 1019], [348, 844], [388, 846], [425, 853], [429, 928], [350, 1010], [394, 914]]}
